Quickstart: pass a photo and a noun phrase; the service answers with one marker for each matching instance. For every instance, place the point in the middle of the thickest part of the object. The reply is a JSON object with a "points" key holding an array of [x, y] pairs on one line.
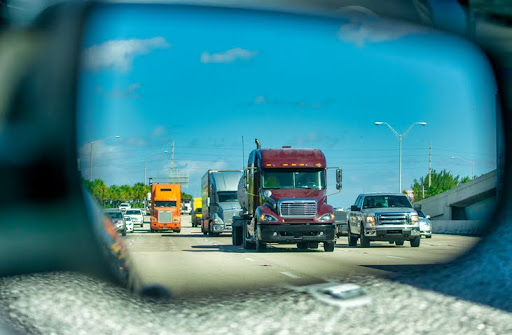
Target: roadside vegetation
{"points": [[112, 196]]}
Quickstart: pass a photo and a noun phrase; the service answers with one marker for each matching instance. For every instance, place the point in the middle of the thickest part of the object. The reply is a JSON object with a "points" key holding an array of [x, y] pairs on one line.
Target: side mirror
{"points": [[208, 201], [354, 208], [428, 217], [338, 179]]}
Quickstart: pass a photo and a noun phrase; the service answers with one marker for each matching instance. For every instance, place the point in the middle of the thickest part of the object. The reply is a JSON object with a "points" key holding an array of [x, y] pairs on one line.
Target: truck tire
{"points": [[302, 245], [328, 246], [365, 241], [415, 242], [247, 245], [260, 245], [237, 237], [352, 239]]}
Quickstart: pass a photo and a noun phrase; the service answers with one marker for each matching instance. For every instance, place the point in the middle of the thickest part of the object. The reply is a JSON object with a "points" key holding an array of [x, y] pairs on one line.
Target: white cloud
{"points": [[129, 92], [119, 54], [371, 29], [228, 56]]}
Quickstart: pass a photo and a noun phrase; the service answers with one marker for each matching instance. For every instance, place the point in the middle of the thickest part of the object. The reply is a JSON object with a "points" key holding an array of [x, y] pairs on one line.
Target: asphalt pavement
{"points": [[190, 263]]}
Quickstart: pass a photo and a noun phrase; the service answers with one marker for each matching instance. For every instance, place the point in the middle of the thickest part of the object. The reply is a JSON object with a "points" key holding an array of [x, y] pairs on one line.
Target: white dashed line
{"points": [[395, 257], [291, 275], [250, 259]]}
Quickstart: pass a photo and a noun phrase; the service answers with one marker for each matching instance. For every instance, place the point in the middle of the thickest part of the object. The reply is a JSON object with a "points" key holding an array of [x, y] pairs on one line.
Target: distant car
{"points": [[124, 206], [128, 224], [136, 215], [116, 216], [196, 217], [425, 225]]}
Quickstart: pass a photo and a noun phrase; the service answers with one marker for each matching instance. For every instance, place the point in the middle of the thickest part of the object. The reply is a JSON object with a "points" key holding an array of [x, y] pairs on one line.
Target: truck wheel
{"points": [[124, 232], [399, 242], [260, 245], [328, 246], [365, 241], [352, 239], [178, 231], [237, 237], [247, 245], [415, 242]]}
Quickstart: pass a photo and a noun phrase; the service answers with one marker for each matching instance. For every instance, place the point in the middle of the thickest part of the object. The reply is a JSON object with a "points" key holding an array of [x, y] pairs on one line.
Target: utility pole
{"points": [[429, 164]]}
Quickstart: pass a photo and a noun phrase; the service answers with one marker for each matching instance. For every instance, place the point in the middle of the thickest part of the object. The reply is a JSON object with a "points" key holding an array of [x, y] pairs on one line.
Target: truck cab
{"points": [[383, 217], [165, 208], [283, 198]]}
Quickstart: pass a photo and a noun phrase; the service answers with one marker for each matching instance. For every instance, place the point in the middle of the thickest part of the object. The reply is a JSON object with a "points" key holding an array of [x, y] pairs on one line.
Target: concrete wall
{"points": [[479, 190], [459, 227]]}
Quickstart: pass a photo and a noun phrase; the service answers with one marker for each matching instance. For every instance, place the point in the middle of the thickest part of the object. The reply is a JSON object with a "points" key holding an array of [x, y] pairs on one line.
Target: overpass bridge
{"points": [[463, 209]]}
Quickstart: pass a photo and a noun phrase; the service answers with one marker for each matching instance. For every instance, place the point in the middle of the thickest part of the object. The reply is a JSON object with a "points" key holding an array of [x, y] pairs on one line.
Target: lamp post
{"points": [[91, 152], [469, 161], [400, 136]]}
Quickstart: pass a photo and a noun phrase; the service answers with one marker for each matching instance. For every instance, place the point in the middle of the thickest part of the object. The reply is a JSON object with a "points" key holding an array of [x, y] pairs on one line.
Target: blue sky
{"points": [[206, 79]]}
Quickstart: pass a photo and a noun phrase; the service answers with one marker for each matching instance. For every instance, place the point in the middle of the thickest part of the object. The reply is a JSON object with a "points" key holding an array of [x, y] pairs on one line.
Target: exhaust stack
{"points": [[258, 144]]}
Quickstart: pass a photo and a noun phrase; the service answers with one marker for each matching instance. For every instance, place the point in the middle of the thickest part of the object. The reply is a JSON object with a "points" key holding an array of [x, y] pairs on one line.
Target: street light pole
{"points": [[400, 136], [145, 158], [91, 152]]}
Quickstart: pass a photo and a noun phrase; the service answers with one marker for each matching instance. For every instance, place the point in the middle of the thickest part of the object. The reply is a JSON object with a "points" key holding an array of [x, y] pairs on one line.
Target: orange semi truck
{"points": [[165, 208]]}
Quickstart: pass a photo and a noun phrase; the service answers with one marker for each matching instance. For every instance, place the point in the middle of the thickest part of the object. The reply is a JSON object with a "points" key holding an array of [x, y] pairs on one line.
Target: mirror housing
{"points": [[338, 179], [354, 208]]}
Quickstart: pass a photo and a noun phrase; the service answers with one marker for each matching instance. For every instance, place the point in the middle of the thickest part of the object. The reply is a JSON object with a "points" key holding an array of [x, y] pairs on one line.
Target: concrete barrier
{"points": [[458, 227]]}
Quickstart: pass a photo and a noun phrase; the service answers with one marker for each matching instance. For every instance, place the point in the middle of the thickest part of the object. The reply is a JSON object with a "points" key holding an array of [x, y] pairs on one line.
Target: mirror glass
{"points": [[172, 91]]}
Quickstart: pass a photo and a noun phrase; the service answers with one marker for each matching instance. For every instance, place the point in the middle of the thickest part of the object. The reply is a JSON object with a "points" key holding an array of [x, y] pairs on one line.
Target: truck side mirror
{"points": [[354, 208], [208, 201], [338, 179]]}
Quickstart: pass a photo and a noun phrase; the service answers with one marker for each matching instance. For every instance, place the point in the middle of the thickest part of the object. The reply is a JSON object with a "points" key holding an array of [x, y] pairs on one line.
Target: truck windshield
{"points": [[165, 203], [227, 196], [294, 178], [379, 201]]}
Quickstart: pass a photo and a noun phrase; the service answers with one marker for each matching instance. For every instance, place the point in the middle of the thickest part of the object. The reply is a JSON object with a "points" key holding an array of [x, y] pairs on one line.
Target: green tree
{"points": [[440, 182]]}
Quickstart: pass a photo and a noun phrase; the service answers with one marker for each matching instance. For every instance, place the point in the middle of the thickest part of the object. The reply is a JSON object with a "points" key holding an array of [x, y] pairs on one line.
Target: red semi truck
{"points": [[283, 198]]}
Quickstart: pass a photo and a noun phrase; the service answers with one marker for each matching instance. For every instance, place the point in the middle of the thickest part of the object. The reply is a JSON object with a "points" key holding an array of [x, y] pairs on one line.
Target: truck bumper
{"points": [[392, 234], [293, 233], [166, 226]]}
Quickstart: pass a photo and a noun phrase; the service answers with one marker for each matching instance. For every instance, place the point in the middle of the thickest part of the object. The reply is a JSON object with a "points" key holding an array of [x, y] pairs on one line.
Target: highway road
{"points": [[190, 263]]}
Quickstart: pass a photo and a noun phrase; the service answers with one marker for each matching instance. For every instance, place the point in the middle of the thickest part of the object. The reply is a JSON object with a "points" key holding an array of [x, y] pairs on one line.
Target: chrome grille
{"points": [[393, 218], [298, 208], [164, 217], [228, 217]]}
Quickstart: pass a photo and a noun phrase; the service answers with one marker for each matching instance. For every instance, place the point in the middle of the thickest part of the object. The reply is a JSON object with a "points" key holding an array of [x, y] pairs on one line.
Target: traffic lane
{"points": [[190, 263]]}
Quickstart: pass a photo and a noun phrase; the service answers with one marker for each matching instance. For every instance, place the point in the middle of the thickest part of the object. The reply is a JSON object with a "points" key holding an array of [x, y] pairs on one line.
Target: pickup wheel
{"points": [[365, 241], [302, 245], [415, 242], [328, 246], [352, 240]]}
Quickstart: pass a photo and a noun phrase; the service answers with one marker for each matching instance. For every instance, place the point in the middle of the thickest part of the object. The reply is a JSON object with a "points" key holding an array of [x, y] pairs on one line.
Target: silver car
{"points": [[425, 225], [116, 216]]}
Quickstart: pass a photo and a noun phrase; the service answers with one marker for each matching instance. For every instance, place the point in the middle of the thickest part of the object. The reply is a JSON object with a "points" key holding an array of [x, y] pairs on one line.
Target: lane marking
{"points": [[395, 257], [291, 275], [250, 259]]}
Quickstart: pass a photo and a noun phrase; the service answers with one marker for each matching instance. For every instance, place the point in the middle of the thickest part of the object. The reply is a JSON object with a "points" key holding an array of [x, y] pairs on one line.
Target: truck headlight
{"points": [[326, 217], [414, 219], [370, 219], [267, 217]]}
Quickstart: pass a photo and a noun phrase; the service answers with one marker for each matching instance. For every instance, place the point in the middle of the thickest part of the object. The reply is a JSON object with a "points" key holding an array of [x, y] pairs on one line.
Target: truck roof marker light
{"points": [[285, 164], [293, 164], [301, 164], [268, 164], [318, 164]]}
